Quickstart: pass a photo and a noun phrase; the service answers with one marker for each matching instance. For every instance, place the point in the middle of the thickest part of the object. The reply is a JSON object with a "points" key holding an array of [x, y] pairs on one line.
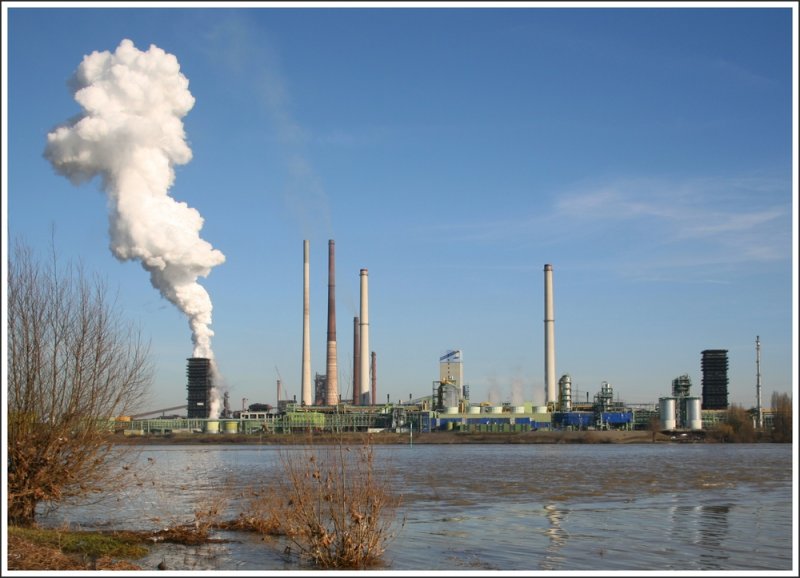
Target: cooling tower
{"points": [[199, 384], [549, 339], [305, 390], [332, 387], [364, 322]]}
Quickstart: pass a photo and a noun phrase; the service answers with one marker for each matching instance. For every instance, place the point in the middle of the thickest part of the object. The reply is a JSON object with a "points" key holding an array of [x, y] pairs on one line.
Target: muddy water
{"points": [[662, 507]]}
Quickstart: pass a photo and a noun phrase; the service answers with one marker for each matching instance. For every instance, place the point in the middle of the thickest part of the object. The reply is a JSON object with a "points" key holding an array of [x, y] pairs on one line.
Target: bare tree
{"points": [[73, 365], [741, 424], [782, 417]]}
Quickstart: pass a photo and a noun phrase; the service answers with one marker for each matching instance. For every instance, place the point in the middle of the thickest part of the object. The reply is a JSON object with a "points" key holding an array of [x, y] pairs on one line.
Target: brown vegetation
{"points": [[338, 511], [331, 504], [72, 364], [782, 417]]}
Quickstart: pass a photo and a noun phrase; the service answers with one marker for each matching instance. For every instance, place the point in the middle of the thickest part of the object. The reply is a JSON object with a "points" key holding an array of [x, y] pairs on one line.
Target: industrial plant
{"points": [[448, 407]]}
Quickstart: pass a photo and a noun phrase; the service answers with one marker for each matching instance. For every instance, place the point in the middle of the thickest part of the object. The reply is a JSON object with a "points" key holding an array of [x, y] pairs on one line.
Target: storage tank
{"points": [[540, 409], [693, 414], [231, 426], [212, 426], [565, 387], [518, 409], [474, 409], [667, 407], [496, 409], [452, 409]]}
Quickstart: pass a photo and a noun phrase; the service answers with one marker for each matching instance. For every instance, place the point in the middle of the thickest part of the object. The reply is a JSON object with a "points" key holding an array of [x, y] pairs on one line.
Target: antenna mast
{"points": [[760, 418]]}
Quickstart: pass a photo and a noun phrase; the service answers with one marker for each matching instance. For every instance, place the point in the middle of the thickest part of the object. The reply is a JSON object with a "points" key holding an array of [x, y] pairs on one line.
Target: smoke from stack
{"points": [[332, 387], [130, 134], [305, 388]]}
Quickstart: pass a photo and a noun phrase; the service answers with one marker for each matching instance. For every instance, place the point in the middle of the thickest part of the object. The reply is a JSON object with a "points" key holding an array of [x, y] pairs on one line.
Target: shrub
{"points": [[336, 510]]}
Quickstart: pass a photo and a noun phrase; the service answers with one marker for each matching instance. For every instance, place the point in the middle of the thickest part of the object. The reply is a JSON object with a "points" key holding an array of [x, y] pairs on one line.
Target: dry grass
{"points": [[45, 550], [330, 504], [337, 511], [262, 513]]}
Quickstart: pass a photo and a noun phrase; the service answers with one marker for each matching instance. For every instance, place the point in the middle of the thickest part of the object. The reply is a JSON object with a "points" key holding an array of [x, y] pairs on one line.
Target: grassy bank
{"points": [[52, 549]]}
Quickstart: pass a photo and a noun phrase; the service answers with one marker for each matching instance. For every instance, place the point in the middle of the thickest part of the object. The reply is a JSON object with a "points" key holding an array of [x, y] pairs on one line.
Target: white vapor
{"points": [[131, 135]]}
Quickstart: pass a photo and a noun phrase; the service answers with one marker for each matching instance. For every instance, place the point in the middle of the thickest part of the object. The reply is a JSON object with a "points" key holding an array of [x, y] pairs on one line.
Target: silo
{"points": [[667, 406], [694, 416]]}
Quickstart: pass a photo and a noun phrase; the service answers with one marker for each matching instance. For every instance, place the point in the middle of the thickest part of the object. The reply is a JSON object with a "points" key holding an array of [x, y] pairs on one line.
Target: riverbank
{"points": [[443, 437]]}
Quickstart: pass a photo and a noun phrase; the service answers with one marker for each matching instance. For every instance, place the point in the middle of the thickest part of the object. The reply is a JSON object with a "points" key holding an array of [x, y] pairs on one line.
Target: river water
{"points": [[478, 508]]}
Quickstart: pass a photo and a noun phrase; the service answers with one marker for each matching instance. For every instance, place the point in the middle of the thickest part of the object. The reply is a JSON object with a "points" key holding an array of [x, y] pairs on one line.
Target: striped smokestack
{"points": [[332, 387], [364, 347], [306, 371], [549, 338]]}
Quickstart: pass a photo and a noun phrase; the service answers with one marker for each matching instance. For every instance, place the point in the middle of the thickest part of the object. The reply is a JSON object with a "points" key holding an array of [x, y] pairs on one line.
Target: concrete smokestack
{"points": [[375, 379], [305, 389], [364, 377], [356, 361], [549, 339], [332, 387]]}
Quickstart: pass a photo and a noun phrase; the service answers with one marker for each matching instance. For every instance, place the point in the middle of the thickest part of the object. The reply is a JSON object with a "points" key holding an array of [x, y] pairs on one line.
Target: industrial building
{"points": [[448, 407], [715, 378], [200, 383]]}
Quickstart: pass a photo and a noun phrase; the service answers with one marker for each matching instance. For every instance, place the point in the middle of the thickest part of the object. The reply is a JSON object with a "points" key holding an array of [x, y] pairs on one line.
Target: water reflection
{"points": [[557, 537], [705, 529], [712, 530]]}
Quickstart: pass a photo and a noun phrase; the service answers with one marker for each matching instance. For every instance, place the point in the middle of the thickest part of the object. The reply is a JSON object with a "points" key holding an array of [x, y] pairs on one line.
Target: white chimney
{"points": [[549, 339], [364, 381]]}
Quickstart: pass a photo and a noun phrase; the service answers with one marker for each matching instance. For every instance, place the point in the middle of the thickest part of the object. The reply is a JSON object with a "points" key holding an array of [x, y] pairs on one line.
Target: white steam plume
{"points": [[131, 135]]}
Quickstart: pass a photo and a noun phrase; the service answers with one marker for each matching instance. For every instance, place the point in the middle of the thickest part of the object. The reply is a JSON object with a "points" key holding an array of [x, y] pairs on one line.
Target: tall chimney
{"points": [[332, 383], [549, 339], [306, 371], [364, 377], [356, 362], [374, 378]]}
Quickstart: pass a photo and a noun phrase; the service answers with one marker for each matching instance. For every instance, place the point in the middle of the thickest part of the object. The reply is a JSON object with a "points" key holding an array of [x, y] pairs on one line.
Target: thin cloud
{"points": [[235, 42]]}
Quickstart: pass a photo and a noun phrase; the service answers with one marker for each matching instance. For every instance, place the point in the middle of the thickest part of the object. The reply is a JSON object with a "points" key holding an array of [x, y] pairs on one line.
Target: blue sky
{"points": [[646, 153]]}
